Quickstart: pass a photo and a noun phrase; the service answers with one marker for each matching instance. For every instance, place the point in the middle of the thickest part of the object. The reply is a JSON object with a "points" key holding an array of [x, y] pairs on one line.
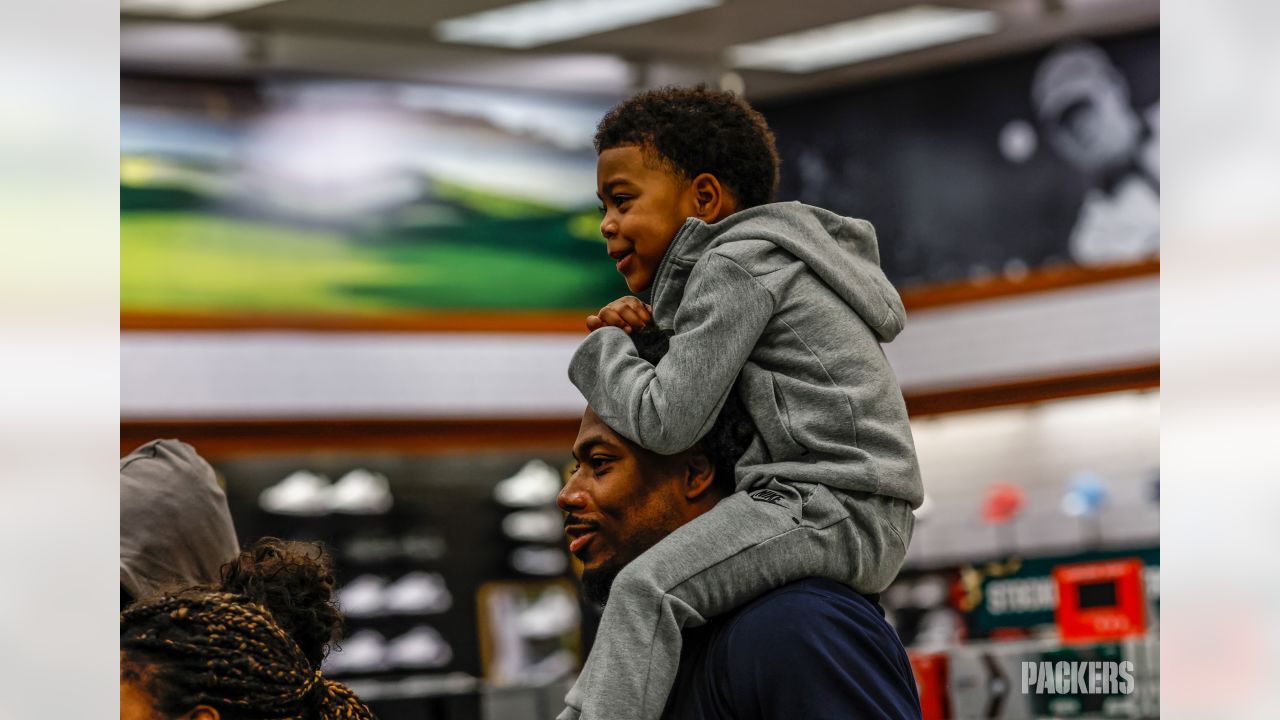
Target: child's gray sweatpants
{"points": [[748, 544]]}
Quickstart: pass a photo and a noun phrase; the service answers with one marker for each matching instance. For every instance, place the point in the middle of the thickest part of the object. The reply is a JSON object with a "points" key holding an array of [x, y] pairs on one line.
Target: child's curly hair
{"points": [[695, 130], [250, 647]]}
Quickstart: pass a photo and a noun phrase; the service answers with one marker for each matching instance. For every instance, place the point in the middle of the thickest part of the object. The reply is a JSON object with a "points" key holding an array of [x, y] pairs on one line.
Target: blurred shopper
{"points": [[782, 304], [175, 528], [812, 648], [1083, 103], [248, 648]]}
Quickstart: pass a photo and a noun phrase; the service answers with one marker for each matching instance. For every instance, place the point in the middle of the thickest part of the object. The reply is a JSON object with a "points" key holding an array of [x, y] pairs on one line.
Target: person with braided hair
{"points": [[249, 648]]}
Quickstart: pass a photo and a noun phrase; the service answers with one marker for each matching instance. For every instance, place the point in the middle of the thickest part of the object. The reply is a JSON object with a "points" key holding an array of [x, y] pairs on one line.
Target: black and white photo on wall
{"points": [[1048, 159]]}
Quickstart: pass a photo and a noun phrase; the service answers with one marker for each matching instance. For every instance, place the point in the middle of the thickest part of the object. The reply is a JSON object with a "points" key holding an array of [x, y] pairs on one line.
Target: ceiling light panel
{"points": [[541, 22], [865, 38], [190, 8]]}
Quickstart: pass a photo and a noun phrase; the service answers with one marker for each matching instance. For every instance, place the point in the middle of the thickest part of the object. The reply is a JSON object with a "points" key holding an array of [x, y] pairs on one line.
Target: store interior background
{"points": [[350, 243]]}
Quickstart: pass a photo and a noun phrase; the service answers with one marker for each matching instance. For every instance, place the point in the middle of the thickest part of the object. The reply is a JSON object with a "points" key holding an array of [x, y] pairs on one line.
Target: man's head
{"points": [[671, 154], [1083, 103], [621, 499]]}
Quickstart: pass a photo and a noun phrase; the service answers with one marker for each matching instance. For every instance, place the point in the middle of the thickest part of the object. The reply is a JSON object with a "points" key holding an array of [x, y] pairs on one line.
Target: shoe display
{"points": [[301, 493], [540, 561], [553, 614], [371, 549], [360, 492], [418, 593], [544, 525], [364, 596], [423, 546], [535, 485], [364, 651], [421, 647]]}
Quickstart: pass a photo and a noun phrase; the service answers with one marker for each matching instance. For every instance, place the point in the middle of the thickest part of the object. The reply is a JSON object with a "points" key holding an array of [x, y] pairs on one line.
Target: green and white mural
{"points": [[357, 200]]}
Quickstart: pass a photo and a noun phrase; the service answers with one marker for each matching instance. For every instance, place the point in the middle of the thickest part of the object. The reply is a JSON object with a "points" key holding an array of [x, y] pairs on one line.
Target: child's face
{"points": [[644, 206]]}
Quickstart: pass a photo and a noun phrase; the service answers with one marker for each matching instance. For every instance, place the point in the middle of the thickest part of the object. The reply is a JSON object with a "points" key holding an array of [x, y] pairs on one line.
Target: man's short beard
{"points": [[596, 584]]}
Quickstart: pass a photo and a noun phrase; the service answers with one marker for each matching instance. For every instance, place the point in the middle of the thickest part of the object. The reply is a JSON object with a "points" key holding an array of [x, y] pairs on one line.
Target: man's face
{"points": [[644, 205], [619, 502]]}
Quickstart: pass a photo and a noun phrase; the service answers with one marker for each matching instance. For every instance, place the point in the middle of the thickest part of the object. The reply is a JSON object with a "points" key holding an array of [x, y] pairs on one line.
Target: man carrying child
{"points": [[780, 304]]}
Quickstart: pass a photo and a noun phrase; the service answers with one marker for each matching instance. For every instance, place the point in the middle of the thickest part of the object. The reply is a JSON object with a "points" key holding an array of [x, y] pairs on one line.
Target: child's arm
{"points": [[668, 407]]}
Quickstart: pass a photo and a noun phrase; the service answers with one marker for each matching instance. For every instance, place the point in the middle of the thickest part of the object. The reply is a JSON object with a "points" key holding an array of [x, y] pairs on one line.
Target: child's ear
{"points": [[711, 200], [202, 712]]}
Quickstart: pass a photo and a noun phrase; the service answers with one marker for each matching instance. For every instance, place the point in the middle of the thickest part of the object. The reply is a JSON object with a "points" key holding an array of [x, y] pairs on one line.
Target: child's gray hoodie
{"points": [[789, 301]]}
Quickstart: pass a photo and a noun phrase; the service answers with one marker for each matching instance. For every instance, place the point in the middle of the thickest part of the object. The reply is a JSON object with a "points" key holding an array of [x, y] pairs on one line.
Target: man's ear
{"points": [[712, 201], [700, 475], [202, 712]]}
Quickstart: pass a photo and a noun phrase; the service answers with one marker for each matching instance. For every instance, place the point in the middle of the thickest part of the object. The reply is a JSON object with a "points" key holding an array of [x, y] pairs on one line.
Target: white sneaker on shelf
{"points": [[540, 561], [543, 525], [366, 596], [364, 651], [421, 647], [372, 549], [360, 492], [536, 484], [552, 615], [423, 546], [301, 493], [418, 593]]}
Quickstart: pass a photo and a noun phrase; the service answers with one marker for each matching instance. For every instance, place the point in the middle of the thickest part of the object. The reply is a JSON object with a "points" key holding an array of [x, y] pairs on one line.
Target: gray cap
{"points": [[175, 528]]}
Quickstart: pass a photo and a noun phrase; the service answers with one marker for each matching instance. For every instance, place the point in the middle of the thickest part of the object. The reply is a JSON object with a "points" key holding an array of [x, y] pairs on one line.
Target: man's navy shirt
{"points": [[811, 650]]}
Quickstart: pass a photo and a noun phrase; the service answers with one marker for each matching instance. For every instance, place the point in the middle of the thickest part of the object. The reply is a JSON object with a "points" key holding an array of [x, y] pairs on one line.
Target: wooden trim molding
{"points": [[1033, 390], [574, 321], [230, 438], [1042, 280], [569, 321]]}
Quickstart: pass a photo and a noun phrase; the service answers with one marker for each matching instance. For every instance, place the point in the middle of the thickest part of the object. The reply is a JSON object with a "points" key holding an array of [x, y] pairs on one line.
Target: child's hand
{"points": [[627, 313]]}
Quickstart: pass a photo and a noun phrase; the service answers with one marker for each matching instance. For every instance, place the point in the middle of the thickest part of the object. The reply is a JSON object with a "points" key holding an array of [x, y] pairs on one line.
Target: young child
{"points": [[782, 303]]}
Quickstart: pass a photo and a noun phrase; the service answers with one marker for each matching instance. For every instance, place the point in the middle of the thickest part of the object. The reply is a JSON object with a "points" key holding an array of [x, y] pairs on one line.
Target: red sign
{"points": [[930, 670], [1100, 601]]}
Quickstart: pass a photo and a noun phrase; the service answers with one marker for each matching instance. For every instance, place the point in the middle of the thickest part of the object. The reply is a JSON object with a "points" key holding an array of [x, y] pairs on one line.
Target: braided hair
{"points": [[250, 648]]}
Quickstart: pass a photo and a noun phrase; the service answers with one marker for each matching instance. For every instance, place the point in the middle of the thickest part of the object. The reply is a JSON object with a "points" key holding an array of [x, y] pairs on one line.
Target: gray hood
{"points": [[841, 251], [175, 528]]}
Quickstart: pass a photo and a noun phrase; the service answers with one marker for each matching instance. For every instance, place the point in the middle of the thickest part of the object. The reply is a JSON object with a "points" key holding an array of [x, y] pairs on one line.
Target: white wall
{"points": [[1038, 448], [285, 375]]}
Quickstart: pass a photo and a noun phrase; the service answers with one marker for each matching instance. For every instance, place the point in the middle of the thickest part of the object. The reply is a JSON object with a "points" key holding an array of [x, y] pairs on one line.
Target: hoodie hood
{"points": [[841, 251], [175, 528]]}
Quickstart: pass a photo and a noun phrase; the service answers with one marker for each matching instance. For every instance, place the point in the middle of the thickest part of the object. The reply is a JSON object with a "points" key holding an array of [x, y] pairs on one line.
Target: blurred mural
{"points": [[349, 198], [356, 198]]}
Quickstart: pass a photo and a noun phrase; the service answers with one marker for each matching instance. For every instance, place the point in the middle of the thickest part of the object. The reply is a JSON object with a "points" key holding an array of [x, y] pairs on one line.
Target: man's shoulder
{"points": [[813, 648], [804, 612]]}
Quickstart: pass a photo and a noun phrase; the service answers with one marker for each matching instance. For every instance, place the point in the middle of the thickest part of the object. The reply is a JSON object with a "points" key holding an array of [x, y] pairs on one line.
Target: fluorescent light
{"points": [[190, 8], [868, 37], [540, 22], [170, 42]]}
